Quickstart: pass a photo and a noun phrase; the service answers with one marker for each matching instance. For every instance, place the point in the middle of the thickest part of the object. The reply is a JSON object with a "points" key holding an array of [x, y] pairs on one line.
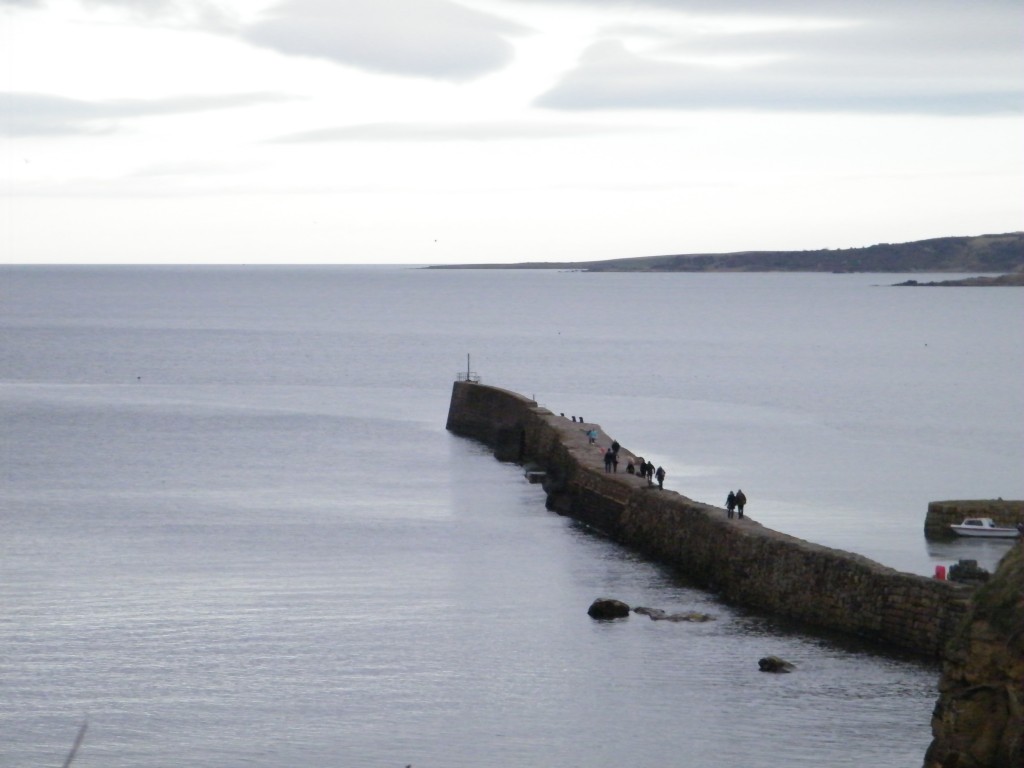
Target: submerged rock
{"points": [[656, 614], [774, 664], [608, 608]]}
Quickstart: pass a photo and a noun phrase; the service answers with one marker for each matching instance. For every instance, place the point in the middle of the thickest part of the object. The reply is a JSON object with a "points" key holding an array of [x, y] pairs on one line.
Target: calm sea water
{"points": [[234, 532]]}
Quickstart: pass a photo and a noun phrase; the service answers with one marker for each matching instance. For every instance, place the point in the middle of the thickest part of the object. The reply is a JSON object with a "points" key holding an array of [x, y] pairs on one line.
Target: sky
{"points": [[495, 131]]}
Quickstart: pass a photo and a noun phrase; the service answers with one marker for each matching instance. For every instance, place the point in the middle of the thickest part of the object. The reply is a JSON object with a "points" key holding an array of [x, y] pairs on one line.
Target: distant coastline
{"points": [[1014, 279], [981, 254]]}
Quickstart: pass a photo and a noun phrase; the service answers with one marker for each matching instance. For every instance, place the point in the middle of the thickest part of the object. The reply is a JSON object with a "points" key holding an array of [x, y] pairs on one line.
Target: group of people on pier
{"points": [[637, 466], [734, 502], [646, 469]]}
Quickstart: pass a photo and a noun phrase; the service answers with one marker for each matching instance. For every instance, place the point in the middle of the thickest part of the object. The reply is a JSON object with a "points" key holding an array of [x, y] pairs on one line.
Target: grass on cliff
{"points": [[1001, 599]]}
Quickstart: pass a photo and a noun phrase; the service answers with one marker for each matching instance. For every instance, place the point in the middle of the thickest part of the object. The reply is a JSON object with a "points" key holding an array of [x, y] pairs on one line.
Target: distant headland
{"points": [[1014, 278], [991, 254]]}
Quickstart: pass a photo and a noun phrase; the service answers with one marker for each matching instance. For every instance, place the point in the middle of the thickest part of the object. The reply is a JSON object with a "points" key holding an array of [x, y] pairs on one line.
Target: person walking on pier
{"points": [[660, 474], [608, 458], [649, 472], [730, 504], [741, 502]]}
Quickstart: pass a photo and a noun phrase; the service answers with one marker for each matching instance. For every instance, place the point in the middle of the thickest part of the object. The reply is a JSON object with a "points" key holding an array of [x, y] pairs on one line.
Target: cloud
{"points": [[424, 38], [479, 131], [939, 59], [36, 114], [209, 15], [183, 8], [792, 8]]}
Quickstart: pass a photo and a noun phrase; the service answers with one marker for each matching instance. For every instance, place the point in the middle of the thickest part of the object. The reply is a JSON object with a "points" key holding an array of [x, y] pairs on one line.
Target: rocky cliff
{"points": [[979, 718]]}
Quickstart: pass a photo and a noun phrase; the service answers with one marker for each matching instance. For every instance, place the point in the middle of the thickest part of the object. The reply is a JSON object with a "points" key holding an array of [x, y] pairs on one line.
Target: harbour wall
{"points": [[942, 514], [741, 560]]}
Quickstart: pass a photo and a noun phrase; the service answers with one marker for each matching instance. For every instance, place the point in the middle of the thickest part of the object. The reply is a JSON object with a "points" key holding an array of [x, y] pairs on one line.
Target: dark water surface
{"points": [[236, 533]]}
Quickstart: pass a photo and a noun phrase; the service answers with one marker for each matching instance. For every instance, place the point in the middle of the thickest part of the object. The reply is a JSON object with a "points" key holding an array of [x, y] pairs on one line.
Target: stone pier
{"points": [[741, 560]]}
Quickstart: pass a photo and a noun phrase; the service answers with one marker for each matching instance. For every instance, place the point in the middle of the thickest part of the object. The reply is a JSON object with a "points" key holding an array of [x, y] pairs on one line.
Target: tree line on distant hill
{"points": [[982, 253]]}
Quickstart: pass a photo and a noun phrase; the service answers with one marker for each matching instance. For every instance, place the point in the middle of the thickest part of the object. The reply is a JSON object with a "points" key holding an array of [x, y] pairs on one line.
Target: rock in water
{"points": [[656, 614], [608, 608], [774, 664]]}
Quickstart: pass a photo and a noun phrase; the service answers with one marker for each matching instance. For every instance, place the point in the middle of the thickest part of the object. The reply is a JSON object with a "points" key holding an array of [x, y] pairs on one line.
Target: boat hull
{"points": [[985, 533]]}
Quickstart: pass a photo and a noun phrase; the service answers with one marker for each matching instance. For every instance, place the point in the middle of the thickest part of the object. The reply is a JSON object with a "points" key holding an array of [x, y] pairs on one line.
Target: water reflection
{"points": [[988, 552]]}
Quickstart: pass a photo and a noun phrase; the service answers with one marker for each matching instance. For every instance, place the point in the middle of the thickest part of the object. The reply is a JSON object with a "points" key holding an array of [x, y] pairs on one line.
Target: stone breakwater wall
{"points": [[741, 560], [942, 514]]}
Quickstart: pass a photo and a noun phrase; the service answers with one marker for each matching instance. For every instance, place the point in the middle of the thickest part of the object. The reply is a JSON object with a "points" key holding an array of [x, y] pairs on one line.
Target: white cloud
{"points": [[213, 14], [455, 131], [611, 77], [418, 38], [900, 59], [35, 114]]}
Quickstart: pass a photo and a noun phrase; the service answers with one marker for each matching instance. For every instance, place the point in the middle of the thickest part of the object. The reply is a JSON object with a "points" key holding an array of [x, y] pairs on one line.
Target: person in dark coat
{"points": [[660, 474], [741, 502], [730, 504], [609, 457]]}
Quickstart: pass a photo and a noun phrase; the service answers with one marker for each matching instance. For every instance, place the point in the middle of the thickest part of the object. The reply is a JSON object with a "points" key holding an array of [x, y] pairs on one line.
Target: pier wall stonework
{"points": [[741, 560]]}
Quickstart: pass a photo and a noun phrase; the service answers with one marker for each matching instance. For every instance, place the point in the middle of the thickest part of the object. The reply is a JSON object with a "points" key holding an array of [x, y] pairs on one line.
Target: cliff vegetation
{"points": [[978, 720]]}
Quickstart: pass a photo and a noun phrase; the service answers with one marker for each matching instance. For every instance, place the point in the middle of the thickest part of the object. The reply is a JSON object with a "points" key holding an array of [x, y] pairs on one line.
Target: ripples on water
{"points": [[235, 532]]}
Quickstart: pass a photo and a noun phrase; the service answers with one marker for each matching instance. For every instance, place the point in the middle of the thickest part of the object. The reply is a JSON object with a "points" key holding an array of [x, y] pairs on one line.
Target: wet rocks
{"points": [[656, 614], [774, 664], [608, 608]]}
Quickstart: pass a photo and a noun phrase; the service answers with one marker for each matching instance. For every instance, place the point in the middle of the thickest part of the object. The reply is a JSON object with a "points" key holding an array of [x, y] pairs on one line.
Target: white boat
{"points": [[983, 527]]}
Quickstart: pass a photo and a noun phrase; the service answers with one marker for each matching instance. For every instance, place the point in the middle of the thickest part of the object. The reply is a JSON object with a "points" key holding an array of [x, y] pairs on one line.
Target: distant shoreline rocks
{"points": [[1012, 279]]}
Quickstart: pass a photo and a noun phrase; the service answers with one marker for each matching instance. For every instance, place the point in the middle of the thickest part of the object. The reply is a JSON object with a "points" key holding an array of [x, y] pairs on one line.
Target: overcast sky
{"points": [[463, 131]]}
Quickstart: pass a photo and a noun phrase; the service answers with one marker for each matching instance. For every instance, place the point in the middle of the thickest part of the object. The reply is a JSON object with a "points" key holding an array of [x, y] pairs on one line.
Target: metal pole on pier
{"points": [[468, 376]]}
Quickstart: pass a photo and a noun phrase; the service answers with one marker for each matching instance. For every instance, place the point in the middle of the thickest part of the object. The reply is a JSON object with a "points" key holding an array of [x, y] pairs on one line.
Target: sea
{"points": [[235, 532]]}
